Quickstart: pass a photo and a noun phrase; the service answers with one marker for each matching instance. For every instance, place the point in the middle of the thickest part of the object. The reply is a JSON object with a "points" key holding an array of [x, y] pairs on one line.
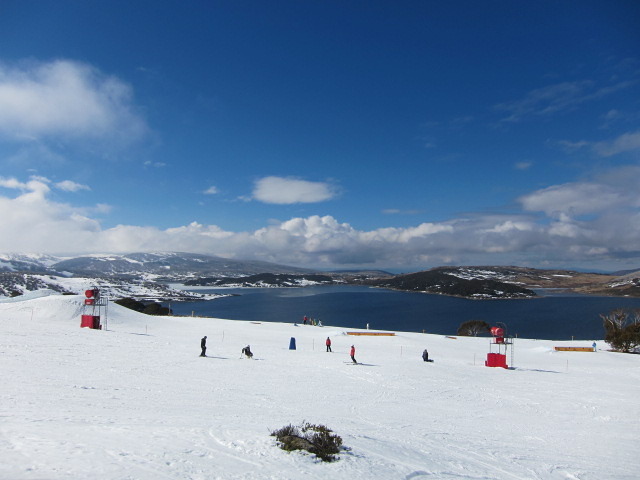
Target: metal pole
{"points": [[106, 314]]}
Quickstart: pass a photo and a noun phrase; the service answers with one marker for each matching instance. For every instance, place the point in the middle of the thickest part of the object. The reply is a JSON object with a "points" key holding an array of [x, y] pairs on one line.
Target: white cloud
{"points": [[546, 100], [523, 165], [211, 190], [286, 191], [63, 98], [397, 211], [627, 142], [615, 189], [572, 199], [557, 98], [570, 147], [70, 186], [577, 223], [149, 163]]}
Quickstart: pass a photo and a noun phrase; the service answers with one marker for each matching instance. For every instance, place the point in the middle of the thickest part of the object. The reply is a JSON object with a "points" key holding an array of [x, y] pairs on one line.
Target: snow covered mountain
{"points": [[14, 284], [168, 264], [27, 263], [186, 267], [136, 401]]}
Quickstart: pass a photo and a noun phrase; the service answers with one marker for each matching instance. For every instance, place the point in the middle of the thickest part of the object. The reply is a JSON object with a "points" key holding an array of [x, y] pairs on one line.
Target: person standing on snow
{"points": [[425, 355], [353, 354], [328, 344], [203, 346]]}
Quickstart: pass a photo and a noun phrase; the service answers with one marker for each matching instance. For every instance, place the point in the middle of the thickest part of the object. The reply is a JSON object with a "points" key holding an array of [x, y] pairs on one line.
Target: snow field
{"points": [[137, 402]]}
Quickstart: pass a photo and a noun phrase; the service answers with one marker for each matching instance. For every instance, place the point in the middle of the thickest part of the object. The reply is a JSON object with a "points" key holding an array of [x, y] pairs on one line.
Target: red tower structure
{"points": [[94, 304], [498, 348]]}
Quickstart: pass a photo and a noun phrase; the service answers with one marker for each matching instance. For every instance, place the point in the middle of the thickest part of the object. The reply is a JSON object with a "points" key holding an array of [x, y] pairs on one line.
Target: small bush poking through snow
{"points": [[316, 439]]}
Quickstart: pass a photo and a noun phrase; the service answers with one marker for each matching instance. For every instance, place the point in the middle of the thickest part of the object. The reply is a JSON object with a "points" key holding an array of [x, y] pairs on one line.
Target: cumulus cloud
{"points": [[66, 99], [30, 220], [579, 223], [212, 190], [289, 190]]}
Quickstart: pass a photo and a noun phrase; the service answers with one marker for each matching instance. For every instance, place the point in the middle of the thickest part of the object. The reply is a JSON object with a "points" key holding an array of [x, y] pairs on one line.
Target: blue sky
{"points": [[400, 135]]}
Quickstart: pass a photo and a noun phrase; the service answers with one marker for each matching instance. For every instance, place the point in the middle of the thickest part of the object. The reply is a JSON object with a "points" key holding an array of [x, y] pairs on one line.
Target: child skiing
{"points": [[247, 351]]}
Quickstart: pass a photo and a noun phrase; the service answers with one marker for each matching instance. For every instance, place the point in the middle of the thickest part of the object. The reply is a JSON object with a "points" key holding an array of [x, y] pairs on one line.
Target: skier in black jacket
{"points": [[203, 345]]}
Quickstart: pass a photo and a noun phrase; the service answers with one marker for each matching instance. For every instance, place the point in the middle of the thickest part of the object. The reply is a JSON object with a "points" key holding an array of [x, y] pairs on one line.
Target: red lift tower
{"points": [[499, 347], [94, 305]]}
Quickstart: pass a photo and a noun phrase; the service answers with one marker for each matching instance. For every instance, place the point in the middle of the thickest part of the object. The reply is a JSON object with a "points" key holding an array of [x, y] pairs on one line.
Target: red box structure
{"points": [[89, 301], [496, 360], [90, 321]]}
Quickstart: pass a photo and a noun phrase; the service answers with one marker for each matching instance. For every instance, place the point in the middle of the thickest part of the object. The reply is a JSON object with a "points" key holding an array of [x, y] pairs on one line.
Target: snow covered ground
{"points": [[137, 402]]}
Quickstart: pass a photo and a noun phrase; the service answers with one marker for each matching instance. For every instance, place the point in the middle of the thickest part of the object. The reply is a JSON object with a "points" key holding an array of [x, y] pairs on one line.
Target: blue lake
{"points": [[554, 316]]}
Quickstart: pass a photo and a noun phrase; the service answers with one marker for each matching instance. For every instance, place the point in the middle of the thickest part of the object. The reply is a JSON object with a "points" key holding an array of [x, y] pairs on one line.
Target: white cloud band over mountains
{"points": [[581, 223]]}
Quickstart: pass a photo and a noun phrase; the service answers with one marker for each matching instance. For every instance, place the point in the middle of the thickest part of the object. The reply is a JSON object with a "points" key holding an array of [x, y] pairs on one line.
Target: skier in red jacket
{"points": [[353, 354], [328, 344]]}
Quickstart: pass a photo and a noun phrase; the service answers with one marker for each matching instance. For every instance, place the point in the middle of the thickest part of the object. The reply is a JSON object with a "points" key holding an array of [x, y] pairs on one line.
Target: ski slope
{"points": [[137, 402]]}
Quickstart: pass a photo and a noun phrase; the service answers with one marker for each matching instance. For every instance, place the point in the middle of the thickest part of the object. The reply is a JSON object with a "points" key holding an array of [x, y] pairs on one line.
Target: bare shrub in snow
{"points": [[473, 328], [622, 329], [316, 439]]}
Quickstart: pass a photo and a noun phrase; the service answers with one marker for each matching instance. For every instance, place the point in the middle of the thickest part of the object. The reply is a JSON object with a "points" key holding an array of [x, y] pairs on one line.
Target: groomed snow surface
{"points": [[137, 402]]}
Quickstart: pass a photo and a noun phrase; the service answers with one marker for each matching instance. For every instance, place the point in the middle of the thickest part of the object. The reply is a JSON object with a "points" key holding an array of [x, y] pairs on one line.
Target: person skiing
{"points": [[353, 354], [247, 351], [203, 346], [328, 344], [425, 355]]}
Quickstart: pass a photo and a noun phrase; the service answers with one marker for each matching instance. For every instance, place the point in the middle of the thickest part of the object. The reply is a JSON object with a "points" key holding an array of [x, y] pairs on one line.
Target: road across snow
{"points": [[137, 402]]}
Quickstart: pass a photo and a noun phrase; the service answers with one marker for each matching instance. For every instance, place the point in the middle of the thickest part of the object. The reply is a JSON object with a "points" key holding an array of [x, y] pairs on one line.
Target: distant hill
{"points": [[432, 281], [622, 273], [444, 281], [264, 280]]}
